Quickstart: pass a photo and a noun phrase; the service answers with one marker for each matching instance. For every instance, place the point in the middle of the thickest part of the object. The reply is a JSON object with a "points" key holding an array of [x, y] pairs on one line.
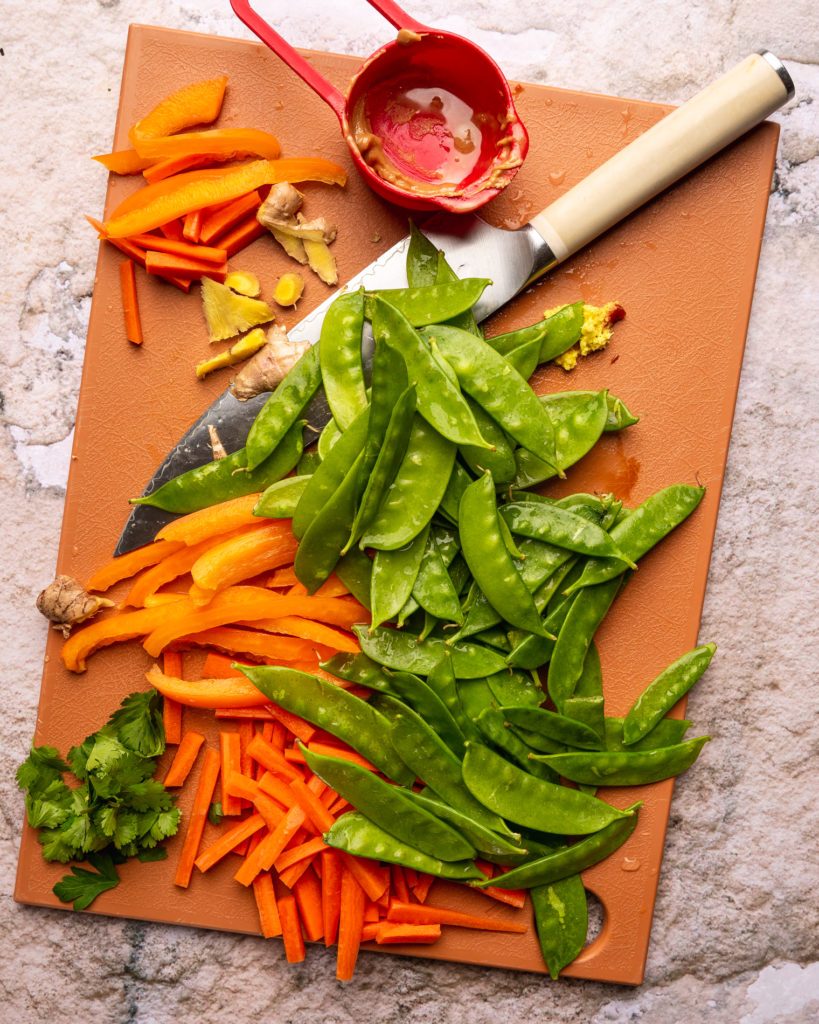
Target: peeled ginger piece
{"points": [[228, 313]]}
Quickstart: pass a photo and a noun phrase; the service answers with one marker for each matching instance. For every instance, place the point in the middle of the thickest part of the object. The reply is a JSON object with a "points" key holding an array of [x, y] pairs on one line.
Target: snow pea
{"points": [[627, 767], [494, 730], [355, 834], [416, 491], [338, 712], [422, 750], [327, 438], [309, 462], [489, 560], [578, 424], [537, 742], [561, 527], [525, 356], [521, 689], [433, 303], [662, 693], [355, 571], [386, 806], [511, 340], [666, 733], [520, 797], [619, 416], [400, 650], [442, 680], [422, 259], [227, 478], [439, 399], [590, 711], [393, 577], [320, 547], [387, 460], [330, 474], [500, 459], [359, 669], [474, 696], [425, 701], [342, 370], [280, 499], [489, 844], [459, 480], [485, 375], [433, 589], [465, 320], [562, 331], [554, 726], [283, 408], [561, 920], [646, 526], [569, 860]]}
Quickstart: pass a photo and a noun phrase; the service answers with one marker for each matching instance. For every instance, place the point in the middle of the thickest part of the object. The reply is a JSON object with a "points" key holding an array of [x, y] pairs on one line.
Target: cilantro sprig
{"points": [[117, 811]]}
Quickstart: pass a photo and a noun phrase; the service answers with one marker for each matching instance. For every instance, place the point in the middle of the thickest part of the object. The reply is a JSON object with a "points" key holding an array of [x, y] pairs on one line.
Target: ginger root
{"points": [[269, 366], [306, 241], [65, 602]]}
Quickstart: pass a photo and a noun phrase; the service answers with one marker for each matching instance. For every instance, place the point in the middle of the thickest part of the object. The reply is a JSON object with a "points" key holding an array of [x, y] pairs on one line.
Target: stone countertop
{"points": [[735, 931]]}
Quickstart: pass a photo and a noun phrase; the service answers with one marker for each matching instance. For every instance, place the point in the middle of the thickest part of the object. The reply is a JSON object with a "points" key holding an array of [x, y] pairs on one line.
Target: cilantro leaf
{"points": [[154, 854], [48, 807], [139, 723], [215, 814], [40, 769], [82, 887]]}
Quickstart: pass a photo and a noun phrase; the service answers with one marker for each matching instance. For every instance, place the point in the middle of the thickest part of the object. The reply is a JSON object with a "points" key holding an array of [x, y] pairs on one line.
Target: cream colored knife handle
{"points": [[677, 144]]}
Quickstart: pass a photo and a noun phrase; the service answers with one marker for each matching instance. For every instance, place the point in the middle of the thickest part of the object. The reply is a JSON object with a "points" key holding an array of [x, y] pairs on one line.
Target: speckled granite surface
{"points": [[735, 930]]}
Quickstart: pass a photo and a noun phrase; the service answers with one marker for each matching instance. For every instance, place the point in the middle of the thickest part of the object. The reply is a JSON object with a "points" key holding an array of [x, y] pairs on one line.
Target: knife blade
{"points": [[677, 144]]}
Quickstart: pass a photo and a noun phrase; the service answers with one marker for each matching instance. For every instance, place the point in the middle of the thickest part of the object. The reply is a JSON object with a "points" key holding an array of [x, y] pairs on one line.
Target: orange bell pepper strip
{"points": [[237, 692], [223, 143], [130, 564], [213, 521], [259, 645], [165, 168], [124, 161], [307, 629], [102, 632], [252, 552], [197, 103], [206, 191], [155, 190]]}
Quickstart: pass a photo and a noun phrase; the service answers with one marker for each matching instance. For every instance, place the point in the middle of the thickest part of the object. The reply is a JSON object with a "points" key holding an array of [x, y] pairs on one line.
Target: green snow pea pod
{"points": [[563, 329], [283, 408], [588, 710], [389, 381], [525, 357], [466, 320], [355, 834], [537, 742], [328, 477], [442, 680], [500, 459], [309, 462], [663, 693], [554, 726], [590, 682], [646, 526], [511, 340], [342, 370], [489, 560], [422, 750], [338, 712], [319, 549], [578, 425], [439, 399], [399, 650], [490, 845], [569, 860], [627, 767], [327, 438], [520, 797], [586, 612], [424, 700], [561, 527], [561, 921], [227, 478], [280, 499], [491, 724], [498, 388], [359, 669], [458, 482], [387, 461], [394, 575], [416, 491], [495, 636], [355, 571], [386, 806], [666, 733], [433, 303], [521, 689], [474, 696], [433, 589], [619, 416], [422, 259]]}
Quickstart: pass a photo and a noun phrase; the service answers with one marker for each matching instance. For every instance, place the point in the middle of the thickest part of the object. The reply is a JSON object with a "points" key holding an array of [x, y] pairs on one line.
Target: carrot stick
{"points": [[294, 854], [417, 913], [130, 303], [199, 813], [367, 873], [173, 229], [229, 841], [265, 896], [172, 709], [291, 929], [278, 789], [421, 888], [219, 222], [130, 564], [184, 758], [247, 731], [192, 225], [214, 521], [388, 933], [307, 891], [241, 236], [271, 758], [165, 264], [157, 243], [331, 872], [255, 714], [313, 808], [369, 930], [399, 883], [371, 912], [351, 921], [220, 666], [512, 897], [293, 723], [231, 755], [265, 854]]}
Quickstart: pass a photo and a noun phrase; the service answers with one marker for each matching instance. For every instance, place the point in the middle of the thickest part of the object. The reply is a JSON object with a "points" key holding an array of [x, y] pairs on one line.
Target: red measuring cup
{"points": [[429, 117]]}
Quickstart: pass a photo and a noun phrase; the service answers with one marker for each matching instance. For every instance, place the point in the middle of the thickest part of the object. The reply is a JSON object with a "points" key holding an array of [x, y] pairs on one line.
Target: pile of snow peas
{"points": [[419, 497]]}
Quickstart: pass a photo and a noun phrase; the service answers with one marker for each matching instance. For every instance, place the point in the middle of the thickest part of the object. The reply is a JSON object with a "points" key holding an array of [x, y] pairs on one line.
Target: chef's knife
{"points": [[681, 141]]}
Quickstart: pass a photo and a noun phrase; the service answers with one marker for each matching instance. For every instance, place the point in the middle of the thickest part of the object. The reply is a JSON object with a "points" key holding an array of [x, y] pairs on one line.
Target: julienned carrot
{"points": [[265, 896], [399, 883], [241, 236], [513, 897], [291, 929], [247, 731], [175, 165], [184, 758], [166, 264], [254, 714], [265, 854], [158, 243], [350, 923], [130, 302], [304, 731], [387, 933], [173, 229], [229, 841], [421, 888], [368, 873], [215, 521], [331, 872], [219, 666], [130, 564], [267, 755], [219, 222], [134, 252], [111, 630], [203, 693], [245, 555], [192, 225], [199, 813], [304, 851], [172, 709], [277, 788], [307, 891], [417, 913], [312, 806], [230, 753]]}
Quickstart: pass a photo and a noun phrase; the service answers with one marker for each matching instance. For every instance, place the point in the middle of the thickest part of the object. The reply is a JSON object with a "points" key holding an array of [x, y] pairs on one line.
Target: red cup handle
{"points": [[259, 27], [396, 17]]}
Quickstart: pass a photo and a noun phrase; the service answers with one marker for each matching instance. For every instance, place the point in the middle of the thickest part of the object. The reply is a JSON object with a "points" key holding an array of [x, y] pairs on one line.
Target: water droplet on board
{"points": [[557, 177], [630, 864]]}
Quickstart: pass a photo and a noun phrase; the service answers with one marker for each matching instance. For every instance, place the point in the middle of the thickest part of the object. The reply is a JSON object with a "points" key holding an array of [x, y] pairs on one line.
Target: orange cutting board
{"points": [[684, 270]]}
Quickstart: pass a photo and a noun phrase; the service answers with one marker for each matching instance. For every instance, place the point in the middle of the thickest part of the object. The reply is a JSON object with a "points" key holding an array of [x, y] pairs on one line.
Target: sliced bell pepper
{"points": [[236, 692], [114, 629], [124, 161], [224, 143], [197, 103]]}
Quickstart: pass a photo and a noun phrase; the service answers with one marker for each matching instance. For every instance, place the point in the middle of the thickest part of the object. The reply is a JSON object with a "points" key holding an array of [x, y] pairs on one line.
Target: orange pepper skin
{"points": [[112, 630], [224, 143], [235, 692], [207, 191], [198, 103], [123, 161]]}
